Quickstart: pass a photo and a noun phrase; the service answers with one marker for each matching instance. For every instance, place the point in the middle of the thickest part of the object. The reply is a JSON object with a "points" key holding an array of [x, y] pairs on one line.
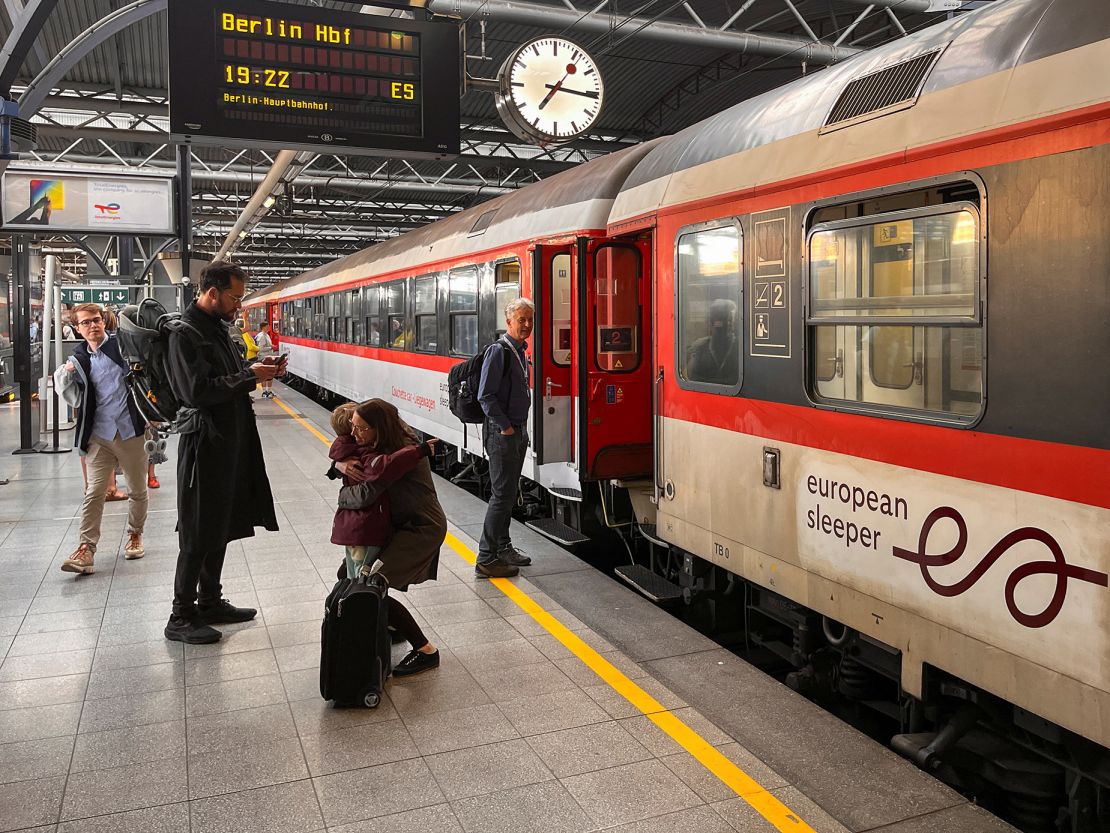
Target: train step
{"points": [[650, 584], [557, 531], [567, 494]]}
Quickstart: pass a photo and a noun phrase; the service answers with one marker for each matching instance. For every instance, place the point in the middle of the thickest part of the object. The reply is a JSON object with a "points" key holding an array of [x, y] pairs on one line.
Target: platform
{"points": [[564, 702]]}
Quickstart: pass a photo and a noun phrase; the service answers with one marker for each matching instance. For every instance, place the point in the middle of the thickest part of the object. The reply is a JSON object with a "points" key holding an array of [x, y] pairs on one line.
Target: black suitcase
{"points": [[354, 641]]}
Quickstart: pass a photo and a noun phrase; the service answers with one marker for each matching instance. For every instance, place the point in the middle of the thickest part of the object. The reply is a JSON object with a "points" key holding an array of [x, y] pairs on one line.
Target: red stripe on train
{"points": [[1067, 472], [423, 361]]}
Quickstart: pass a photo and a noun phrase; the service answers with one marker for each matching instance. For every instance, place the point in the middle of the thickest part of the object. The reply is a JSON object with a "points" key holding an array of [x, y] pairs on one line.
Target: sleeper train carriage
{"points": [[845, 346]]}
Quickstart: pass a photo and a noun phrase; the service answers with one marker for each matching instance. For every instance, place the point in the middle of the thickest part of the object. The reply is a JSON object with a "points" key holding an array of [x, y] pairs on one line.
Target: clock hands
{"points": [[555, 87], [571, 69]]}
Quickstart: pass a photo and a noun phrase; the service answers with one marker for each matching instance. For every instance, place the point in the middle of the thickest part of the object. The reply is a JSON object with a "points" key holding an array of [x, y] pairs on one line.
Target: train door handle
{"points": [[918, 365], [548, 385]]}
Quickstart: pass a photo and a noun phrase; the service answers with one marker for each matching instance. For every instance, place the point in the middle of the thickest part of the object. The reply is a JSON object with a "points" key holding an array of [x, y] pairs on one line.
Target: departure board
{"points": [[275, 75]]}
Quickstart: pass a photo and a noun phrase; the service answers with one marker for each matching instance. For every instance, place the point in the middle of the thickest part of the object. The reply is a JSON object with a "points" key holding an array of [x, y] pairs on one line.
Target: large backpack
{"points": [[462, 385], [143, 337]]}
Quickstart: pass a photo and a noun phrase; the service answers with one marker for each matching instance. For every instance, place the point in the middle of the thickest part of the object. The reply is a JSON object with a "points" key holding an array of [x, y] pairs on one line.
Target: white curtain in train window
{"points": [[506, 288], [894, 306], [709, 287]]}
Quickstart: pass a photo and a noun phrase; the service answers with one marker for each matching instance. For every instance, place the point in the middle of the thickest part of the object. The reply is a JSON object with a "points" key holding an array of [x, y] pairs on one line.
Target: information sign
{"points": [[96, 295], [305, 78]]}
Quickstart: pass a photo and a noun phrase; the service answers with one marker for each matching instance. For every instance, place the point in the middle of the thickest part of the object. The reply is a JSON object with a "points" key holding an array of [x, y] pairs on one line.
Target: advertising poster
{"points": [[71, 201]]}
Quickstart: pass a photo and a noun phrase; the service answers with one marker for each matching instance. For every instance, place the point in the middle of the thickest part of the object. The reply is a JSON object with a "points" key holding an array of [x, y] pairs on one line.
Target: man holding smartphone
{"points": [[223, 492]]}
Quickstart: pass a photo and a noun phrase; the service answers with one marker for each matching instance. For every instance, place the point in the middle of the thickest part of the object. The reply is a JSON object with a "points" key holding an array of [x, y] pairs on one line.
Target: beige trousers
{"points": [[100, 462]]}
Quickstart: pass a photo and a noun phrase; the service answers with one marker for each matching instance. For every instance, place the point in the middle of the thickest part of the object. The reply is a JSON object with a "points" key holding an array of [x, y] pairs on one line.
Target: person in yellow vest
{"points": [[252, 347]]}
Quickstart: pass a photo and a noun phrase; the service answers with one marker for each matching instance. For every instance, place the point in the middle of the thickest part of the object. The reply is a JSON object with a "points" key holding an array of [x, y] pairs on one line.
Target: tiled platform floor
{"points": [[106, 726]]}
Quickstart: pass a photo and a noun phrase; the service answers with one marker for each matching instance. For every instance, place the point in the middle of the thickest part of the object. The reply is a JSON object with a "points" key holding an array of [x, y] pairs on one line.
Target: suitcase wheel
{"points": [[371, 699]]}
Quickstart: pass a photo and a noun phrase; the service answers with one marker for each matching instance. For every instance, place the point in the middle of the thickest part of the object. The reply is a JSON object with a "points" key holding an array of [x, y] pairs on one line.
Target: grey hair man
{"points": [[505, 395]]}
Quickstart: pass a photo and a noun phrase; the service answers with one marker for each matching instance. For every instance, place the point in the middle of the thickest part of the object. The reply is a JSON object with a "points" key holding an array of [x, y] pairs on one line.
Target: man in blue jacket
{"points": [[505, 396], [109, 433]]}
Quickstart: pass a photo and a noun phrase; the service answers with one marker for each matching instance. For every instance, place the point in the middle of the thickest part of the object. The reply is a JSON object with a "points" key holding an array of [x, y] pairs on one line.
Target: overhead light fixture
{"points": [[269, 201], [243, 233]]}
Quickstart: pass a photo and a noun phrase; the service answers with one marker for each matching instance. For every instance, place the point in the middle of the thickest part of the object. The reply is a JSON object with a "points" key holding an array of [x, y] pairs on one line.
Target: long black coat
{"points": [[222, 489]]}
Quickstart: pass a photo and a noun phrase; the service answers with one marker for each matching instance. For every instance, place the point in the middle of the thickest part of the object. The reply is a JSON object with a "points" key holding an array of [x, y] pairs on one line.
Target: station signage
{"points": [[273, 75], [112, 296], [69, 200]]}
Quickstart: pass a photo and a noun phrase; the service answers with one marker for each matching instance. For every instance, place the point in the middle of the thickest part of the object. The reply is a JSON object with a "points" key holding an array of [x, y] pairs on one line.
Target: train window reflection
{"points": [[894, 313], [462, 306], [372, 330], [560, 306], [709, 293], [427, 330], [395, 315], [506, 289]]}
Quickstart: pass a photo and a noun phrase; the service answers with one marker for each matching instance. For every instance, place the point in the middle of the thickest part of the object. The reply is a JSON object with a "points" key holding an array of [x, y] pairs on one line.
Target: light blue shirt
{"points": [[111, 415]]}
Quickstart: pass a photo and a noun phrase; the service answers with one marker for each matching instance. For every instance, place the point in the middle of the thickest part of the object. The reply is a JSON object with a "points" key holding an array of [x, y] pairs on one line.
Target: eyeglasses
{"points": [[88, 321], [236, 298]]}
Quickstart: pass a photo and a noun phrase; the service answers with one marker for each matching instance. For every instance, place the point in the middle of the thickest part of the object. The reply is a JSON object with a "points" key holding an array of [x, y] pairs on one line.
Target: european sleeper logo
{"points": [[111, 209]]}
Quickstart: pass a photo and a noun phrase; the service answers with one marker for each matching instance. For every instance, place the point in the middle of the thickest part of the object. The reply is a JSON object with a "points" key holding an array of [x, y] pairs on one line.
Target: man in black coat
{"points": [[222, 489]]}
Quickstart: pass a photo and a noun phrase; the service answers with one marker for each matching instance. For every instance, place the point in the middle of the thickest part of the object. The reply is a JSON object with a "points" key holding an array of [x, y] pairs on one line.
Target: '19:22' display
{"points": [[300, 77]]}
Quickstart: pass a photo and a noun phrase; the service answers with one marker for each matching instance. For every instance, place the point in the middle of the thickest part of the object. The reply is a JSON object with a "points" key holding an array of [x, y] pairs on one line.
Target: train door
{"points": [[552, 348], [613, 378]]}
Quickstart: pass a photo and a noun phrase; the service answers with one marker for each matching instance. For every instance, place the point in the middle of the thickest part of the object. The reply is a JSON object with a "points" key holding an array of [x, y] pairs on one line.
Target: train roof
{"points": [[990, 42], [573, 200]]}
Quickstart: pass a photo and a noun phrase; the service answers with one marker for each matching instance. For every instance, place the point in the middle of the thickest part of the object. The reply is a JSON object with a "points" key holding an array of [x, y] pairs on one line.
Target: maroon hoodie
{"points": [[370, 526]]}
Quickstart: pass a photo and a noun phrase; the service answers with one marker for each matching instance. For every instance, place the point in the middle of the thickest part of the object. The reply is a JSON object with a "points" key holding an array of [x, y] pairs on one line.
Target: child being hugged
{"points": [[363, 532]]}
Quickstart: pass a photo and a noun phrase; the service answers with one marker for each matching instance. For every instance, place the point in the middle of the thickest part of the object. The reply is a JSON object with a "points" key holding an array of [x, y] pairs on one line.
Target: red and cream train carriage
{"points": [[856, 331]]}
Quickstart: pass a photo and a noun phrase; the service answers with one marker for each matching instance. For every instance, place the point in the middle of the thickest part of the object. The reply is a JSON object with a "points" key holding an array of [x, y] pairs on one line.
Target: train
{"points": [[834, 359]]}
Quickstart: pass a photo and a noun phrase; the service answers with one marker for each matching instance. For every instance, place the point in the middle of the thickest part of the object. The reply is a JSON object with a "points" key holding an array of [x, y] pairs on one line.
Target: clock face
{"points": [[551, 91]]}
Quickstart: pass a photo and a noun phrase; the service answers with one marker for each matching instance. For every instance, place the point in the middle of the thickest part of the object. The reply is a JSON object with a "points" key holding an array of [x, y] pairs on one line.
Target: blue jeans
{"points": [[506, 460]]}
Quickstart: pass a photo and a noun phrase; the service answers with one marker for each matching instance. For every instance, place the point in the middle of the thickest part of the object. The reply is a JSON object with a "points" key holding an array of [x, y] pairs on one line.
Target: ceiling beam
{"points": [[556, 18]]}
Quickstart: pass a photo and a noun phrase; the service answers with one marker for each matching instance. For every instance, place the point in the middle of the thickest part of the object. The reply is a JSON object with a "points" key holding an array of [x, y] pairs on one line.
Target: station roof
{"points": [[666, 65]]}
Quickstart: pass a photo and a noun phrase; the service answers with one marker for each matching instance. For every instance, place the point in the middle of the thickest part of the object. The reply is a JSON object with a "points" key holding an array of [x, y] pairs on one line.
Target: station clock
{"points": [[550, 91]]}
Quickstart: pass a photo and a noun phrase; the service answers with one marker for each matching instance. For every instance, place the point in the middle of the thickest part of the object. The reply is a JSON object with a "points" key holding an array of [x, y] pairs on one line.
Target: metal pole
{"points": [[24, 371], [47, 319], [52, 296], [184, 216]]}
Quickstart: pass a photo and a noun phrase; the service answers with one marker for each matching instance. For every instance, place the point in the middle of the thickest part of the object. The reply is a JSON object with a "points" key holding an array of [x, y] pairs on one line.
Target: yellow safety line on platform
{"points": [[746, 787]]}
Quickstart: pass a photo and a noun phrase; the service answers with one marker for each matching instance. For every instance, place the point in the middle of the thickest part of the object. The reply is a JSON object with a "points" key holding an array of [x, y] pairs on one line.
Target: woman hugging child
{"points": [[384, 451]]}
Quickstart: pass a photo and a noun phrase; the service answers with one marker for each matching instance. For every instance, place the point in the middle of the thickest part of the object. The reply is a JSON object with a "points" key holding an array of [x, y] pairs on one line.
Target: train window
{"points": [[709, 300], [506, 288], [462, 311], [335, 316], [372, 330], [617, 275], [559, 305], [424, 310], [352, 314], [319, 318], [894, 313], [395, 314]]}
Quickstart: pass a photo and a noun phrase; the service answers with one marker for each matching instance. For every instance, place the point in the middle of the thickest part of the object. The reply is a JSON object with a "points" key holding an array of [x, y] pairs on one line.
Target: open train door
{"points": [[552, 346], [613, 378]]}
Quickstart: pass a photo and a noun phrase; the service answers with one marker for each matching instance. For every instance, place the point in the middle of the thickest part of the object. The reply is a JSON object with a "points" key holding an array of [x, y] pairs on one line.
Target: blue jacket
{"points": [[505, 396], [75, 388]]}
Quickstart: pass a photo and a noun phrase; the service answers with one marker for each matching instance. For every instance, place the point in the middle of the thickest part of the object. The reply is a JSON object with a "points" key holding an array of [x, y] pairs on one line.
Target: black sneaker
{"points": [[495, 569], [513, 556], [224, 613], [191, 630], [415, 662]]}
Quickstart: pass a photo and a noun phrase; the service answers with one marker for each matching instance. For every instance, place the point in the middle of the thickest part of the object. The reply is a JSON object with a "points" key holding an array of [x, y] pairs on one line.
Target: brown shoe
{"points": [[134, 547], [80, 562]]}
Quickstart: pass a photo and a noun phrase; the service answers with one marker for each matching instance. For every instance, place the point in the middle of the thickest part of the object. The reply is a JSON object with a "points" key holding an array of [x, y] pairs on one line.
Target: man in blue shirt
{"points": [[109, 433], [505, 396]]}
